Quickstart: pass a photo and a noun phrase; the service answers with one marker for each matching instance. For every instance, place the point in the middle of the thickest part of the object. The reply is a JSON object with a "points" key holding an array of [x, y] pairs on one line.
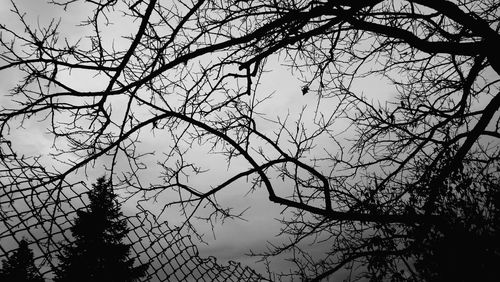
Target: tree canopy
{"points": [[97, 252], [351, 168]]}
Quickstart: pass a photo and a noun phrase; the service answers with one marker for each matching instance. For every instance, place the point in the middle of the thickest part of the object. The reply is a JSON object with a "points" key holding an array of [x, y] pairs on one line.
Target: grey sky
{"points": [[233, 239]]}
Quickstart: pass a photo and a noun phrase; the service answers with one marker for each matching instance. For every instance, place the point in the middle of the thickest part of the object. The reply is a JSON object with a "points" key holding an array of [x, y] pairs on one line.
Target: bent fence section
{"points": [[42, 214]]}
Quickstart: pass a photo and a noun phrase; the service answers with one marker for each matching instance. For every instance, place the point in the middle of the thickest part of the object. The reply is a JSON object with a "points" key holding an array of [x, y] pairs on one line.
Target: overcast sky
{"points": [[235, 238]]}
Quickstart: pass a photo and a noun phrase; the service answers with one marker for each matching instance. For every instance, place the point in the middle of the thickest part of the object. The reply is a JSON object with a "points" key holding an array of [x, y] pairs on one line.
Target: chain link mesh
{"points": [[42, 214]]}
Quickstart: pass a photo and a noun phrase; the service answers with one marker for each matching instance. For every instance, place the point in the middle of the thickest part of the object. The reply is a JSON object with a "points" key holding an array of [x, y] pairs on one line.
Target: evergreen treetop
{"points": [[97, 252], [20, 266]]}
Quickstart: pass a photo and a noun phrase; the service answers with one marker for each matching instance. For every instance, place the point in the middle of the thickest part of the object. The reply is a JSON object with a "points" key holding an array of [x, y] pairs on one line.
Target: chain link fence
{"points": [[42, 214]]}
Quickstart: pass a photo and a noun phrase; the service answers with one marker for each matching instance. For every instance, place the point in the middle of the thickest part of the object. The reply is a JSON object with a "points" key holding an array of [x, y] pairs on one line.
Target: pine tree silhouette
{"points": [[20, 266], [97, 252]]}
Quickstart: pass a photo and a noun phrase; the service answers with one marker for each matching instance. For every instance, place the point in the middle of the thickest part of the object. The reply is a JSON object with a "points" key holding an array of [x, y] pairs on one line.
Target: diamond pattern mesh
{"points": [[42, 214]]}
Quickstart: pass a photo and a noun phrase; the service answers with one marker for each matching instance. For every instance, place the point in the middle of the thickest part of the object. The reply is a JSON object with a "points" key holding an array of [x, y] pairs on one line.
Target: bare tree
{"points": [[352, 165]]}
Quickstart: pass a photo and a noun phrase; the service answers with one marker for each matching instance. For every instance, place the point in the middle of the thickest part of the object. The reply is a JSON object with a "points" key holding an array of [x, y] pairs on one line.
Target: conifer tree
{"points": [[20, 266], [97, 252]]}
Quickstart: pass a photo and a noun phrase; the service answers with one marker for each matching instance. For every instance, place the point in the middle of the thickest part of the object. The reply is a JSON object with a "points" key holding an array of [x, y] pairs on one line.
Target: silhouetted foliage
{"points": [[465, 245], [20, 266], [462, 245], [366, 170], [97, 252]]}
